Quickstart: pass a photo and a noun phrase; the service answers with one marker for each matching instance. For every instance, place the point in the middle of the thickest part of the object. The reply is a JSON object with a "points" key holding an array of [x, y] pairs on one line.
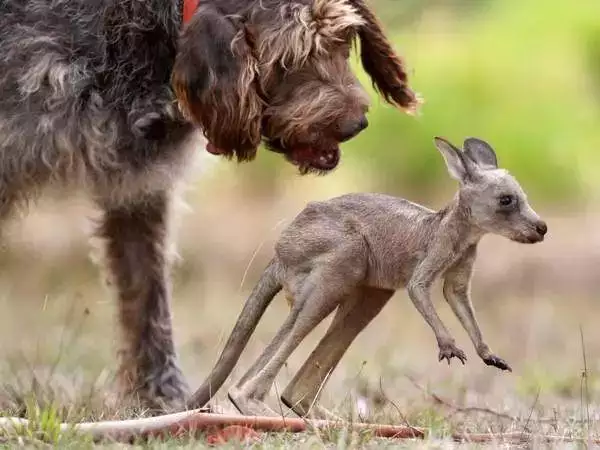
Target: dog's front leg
{"points": [[136, 237]]}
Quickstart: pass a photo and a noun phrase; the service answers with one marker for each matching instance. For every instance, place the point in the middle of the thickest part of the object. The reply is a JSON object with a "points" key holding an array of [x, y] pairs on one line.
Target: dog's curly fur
{"points": [[105, 95]]}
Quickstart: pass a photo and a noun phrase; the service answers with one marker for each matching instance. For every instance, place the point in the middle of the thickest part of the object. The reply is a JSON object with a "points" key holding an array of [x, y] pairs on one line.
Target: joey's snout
{"points": [[526, 226], [541, 228], [535, 232], [539, 231]]}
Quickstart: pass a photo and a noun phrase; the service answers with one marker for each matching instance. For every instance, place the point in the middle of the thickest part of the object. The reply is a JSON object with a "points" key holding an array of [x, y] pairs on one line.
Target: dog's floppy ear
{"points": [[381, 62], [214, 81]]}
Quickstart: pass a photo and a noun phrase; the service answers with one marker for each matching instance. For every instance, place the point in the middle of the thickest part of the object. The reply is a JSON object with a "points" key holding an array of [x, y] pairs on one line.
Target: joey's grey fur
{"points": [[352, 252]]}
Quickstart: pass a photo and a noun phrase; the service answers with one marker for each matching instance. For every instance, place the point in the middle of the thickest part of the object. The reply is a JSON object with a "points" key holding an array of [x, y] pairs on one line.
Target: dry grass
{"points": [[57, 353]]}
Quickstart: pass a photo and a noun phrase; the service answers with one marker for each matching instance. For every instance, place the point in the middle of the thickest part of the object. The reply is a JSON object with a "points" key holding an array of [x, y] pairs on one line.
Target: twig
{"points": [[255, 253], [396, 407], [535, 402], [516, 438], [584, 384], [465, 410], [555, 420], [279, 401], [62, 342], [321, 386], [349, 395]]}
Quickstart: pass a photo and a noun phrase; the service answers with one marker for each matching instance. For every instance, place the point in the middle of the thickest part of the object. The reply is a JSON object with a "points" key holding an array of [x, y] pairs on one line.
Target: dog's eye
{"points": [[506, 200]]}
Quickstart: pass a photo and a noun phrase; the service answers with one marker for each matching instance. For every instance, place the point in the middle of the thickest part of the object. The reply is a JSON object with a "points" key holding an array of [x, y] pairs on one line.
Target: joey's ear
{"points": [[458, 168], [481, 153], [214, 81]]}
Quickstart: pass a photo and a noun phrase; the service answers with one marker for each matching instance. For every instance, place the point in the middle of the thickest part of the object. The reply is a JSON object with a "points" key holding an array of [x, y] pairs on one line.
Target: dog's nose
{"points": [[362, 123], [351, 128], [541, 228]]}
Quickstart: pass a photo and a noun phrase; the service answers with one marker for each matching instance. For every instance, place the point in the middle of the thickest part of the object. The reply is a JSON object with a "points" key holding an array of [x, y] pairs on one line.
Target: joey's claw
{"points": [[448, 351], [493, 360]]}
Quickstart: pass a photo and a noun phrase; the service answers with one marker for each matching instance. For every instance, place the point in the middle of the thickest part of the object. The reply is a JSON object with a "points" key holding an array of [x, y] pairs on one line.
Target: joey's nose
{"points": [[351, 128], [541, 228]]}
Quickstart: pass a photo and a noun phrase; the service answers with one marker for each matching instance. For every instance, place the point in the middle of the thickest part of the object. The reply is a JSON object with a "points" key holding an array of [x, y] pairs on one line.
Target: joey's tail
{"points": [[263, 293]]}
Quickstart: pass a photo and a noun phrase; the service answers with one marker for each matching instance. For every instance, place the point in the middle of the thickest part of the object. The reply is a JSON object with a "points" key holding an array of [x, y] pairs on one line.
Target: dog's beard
{"points": [[322, 157], [308, 158]]}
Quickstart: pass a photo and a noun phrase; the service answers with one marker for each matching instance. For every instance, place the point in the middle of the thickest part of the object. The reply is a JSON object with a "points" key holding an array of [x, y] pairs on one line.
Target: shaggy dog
{"points": [[105, 96]]}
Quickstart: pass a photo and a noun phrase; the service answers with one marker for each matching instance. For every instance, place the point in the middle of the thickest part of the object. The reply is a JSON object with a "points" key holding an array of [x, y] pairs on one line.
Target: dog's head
{"points": [[278, 71]]}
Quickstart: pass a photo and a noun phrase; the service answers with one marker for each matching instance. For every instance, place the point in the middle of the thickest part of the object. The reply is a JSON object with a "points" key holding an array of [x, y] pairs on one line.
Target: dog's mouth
{"points": [[309, 158]]}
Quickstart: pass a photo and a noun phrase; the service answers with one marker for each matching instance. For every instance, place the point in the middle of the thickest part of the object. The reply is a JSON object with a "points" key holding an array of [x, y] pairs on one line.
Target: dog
{"points": [[106, 95]]}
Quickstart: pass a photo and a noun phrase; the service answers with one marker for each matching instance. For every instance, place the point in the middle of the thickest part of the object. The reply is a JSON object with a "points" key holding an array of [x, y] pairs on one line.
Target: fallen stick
{"points": [[190, 422], [183, 423], [519, 438]]}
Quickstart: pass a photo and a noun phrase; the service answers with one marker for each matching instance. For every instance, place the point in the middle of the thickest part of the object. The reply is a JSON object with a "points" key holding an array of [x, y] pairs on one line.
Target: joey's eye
{"points": [[506, 200]]}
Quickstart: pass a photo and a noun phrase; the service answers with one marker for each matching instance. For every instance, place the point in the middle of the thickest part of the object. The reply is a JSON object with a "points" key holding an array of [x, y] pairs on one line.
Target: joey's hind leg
{"points": [[302, 403], [254, 405], [136, 237], [267, 353], [248, 395], [351, 318], [457, 293], [318, 297]]}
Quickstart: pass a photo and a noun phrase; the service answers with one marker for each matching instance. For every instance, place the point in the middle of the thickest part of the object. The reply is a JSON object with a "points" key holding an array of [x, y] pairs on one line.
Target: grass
{"points": [[438, 416]]}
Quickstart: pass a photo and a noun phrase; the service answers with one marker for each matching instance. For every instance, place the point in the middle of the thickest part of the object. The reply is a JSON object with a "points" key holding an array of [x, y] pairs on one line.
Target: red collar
{"points": [[189, 7]]}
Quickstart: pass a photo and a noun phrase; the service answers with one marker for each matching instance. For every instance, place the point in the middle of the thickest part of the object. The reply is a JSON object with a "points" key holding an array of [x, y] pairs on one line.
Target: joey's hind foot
{"points": [[312, 411], [493, 360], [448, 350], [249, 406]]}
